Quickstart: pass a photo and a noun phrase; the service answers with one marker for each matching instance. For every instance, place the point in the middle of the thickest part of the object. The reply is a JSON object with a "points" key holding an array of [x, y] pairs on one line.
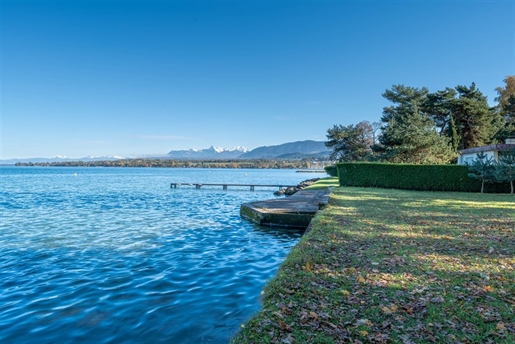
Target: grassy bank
{"points": [[324, 183], [383, 265]]}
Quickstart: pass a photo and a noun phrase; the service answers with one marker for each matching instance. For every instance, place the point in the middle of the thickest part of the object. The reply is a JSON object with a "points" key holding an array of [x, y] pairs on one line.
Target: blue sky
{"points": [[144, 77]]}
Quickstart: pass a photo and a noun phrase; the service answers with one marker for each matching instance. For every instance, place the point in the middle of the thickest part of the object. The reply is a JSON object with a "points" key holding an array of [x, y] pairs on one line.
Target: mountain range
{"points": [[208, 153], [290, 150]]}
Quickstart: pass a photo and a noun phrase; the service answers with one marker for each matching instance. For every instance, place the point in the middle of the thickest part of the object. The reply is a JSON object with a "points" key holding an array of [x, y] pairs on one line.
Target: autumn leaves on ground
{"points": [[386, 265]]}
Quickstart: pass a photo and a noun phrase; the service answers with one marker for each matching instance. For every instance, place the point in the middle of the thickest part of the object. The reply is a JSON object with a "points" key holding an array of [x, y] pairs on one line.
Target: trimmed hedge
{"points": [[331, 170], [413, 177]]}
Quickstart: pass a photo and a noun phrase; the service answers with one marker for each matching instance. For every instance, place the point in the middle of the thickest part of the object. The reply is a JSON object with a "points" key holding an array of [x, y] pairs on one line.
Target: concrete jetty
{"points": [[295, 211]]}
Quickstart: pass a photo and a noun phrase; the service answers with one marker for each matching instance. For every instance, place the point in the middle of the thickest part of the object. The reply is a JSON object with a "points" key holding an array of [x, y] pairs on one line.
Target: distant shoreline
{"points": [[300, 165]]}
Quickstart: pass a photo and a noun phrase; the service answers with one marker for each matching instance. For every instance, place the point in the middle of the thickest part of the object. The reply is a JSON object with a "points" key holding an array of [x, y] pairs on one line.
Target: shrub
{"points": [[413, 177], [331, 170], [482, 168], [504, 170]]}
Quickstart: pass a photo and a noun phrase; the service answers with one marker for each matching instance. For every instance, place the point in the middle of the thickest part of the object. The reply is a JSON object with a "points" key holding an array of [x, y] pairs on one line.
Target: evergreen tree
{"points": [[476, 122], [504, 170], [415, 141], [438, 106], [352, 142], [508, 116], [406, 101], [482, 168], [452, 134], [409, 135], [509, 110]]}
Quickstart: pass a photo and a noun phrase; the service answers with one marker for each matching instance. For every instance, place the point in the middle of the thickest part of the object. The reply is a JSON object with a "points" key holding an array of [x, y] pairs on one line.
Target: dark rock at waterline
{"points": [[293, 189], [290, 190], [279, 192], [307, 183]]}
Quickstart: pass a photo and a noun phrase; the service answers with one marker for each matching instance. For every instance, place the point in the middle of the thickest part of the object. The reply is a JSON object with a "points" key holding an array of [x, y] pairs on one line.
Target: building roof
{"points": [[497, 147]]}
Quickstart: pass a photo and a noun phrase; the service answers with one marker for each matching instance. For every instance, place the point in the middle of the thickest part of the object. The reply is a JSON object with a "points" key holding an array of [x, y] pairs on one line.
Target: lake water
{"points": [[110, 255]]}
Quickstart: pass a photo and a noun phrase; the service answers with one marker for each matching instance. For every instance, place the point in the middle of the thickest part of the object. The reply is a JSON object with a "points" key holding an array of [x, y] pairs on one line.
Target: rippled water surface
{"points": [[114, 255]]}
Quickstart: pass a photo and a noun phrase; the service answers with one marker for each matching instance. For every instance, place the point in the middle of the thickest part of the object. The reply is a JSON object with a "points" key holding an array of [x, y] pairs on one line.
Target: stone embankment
{"points": [[295, 211], [291, 190]]}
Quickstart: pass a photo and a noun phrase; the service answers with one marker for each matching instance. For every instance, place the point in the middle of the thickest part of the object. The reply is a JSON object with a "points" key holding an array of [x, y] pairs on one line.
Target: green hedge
{"points": [[413, 177], [331, 170]]}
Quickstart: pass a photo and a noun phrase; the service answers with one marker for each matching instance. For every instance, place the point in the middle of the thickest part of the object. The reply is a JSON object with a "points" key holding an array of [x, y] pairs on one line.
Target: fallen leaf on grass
{"points": [[364, 322], [331, 324], [500, 327], [389, 310], [488, 288], [288, 340], [279, 315], [386, 310], [437, 299], [408, 310]]}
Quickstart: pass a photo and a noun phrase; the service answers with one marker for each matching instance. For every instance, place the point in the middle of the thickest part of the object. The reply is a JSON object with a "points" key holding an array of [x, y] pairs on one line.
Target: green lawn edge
{"points": [[383, 265], [324, 183]]}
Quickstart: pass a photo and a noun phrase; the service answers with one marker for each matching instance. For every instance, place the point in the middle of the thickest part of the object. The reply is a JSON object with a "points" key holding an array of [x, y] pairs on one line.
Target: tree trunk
{"points": [[511, 184], [482, 185]]}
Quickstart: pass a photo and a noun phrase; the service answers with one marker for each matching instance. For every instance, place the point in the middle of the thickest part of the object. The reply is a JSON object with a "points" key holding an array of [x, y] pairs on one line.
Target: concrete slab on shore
{"points": [[295, 211]]}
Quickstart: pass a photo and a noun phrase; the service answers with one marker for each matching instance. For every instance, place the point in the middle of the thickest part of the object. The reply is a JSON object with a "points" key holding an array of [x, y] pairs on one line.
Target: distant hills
{"points": [[58, 159], [288, 151]]}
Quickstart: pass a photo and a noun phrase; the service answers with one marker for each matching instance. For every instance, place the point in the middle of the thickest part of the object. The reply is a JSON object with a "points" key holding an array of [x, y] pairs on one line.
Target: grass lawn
{"points": [[382, 265], [324, 183]]}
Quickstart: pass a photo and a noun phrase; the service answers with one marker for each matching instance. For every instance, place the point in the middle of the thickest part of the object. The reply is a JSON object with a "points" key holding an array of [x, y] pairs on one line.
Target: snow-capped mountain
{"points": [[208, 153], [235, 149], [290, 150]]}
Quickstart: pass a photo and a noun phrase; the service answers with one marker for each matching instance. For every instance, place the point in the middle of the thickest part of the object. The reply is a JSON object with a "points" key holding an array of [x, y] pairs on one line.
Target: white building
{"points": [[491, 151]]}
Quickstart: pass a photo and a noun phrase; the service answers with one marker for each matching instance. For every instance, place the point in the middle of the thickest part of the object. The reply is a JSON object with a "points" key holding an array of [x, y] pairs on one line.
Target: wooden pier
{"points": [[225, 185]]}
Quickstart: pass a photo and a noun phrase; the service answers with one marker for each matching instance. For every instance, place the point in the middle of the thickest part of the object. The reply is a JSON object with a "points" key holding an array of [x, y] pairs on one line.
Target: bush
{"points": [[413, 177], [332, 170]]}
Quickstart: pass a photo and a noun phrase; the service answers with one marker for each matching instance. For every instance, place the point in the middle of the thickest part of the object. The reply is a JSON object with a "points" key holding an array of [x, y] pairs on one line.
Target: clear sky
{"points": [[106, 77]]}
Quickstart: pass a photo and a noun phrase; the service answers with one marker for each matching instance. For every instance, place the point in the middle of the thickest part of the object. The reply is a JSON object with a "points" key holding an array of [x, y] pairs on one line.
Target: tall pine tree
{"points": [[452, 135], [506, 99], [352, 142], [438, 107], [476, 122], [409, 135]]}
